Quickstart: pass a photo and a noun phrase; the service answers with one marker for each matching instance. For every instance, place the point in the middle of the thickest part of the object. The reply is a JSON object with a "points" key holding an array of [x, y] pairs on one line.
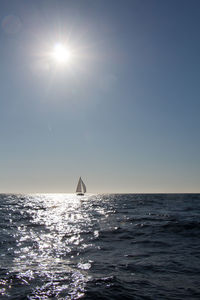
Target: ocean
{"points": [[108, 246]]}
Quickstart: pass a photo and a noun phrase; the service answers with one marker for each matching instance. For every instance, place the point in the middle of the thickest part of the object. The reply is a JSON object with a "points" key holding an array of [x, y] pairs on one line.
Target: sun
{"points": [[61, 54]]}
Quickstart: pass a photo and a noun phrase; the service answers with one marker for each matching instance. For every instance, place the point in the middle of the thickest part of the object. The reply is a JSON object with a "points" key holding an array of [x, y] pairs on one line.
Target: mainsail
{"points": [[81, 188]]}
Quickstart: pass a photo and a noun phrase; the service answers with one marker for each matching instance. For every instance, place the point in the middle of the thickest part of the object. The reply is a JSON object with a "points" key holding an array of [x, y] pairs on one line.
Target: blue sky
{"points": [[124, 114]]}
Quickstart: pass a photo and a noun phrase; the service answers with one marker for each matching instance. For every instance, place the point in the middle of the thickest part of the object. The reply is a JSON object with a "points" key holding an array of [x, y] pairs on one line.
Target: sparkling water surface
{"points": [[129, 246]]}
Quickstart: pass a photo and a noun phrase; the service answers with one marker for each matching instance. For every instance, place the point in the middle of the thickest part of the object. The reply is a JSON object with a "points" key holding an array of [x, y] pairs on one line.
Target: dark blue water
{"points": [[100, 246]]}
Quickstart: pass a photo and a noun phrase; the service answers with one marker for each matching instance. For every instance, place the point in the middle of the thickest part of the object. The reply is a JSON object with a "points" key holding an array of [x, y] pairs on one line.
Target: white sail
{"points": [[81, 188], [84, 187]]}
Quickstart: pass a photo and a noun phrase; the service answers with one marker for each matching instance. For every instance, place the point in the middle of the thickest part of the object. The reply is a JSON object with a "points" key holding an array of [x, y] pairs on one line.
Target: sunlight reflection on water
{"points": [[51, 244]]}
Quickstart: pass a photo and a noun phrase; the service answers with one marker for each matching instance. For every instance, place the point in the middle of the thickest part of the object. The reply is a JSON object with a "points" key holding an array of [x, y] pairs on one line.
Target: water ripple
{"points": [[60, 246]]}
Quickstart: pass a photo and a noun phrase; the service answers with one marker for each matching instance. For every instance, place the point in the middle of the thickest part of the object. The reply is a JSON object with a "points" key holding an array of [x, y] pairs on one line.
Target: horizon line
{"points": [[95, 193]]}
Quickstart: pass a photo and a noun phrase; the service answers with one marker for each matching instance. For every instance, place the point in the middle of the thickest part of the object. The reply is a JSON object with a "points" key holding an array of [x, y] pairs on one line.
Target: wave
{"points": [[182, 227]]}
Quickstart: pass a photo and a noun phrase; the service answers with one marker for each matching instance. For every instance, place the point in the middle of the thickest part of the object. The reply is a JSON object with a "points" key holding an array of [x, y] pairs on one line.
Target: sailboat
{"points": [[81, 188]]}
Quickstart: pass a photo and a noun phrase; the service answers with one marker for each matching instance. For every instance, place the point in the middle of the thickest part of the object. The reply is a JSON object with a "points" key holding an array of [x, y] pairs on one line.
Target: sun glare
{"points": [[61, 54]]}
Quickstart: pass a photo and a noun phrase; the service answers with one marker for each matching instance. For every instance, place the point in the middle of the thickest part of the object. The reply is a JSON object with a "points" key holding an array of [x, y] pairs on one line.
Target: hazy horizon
{"points": [[108, 90]]}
